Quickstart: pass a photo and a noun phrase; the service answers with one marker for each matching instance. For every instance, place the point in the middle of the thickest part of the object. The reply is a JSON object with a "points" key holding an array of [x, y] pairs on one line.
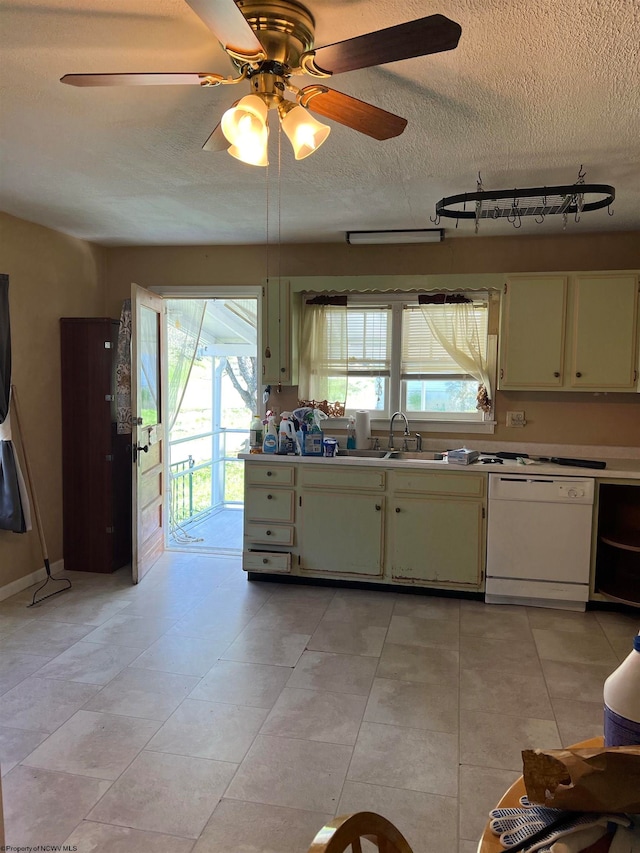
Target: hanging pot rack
{"points": [[513, 204]]}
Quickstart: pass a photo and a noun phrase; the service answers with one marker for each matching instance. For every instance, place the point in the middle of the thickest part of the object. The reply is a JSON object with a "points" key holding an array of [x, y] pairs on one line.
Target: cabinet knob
{"points": [[269, 473], [283, 370], [269, 497], [378, 507], [264, 560], [556, 374], [268, 533], [578, 374], [397, 509]]}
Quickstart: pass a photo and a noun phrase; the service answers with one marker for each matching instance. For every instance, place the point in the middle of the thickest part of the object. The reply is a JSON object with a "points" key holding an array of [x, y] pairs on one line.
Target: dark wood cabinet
{"points": [[96, 461]]}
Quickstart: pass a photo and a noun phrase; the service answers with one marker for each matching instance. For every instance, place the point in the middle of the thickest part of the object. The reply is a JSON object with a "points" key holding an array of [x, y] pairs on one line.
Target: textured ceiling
{"points": [[535, 89]]}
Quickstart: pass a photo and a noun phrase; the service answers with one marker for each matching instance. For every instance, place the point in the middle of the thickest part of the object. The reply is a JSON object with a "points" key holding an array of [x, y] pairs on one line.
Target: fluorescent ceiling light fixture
{"points": [[413, 235]]}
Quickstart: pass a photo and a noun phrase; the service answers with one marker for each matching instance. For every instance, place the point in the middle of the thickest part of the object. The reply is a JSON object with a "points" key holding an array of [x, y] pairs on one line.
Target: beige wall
{"points": [[563, 418], [51, 276]]}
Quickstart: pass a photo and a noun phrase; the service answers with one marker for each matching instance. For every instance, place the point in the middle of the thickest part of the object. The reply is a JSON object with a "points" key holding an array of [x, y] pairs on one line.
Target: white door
{"points": [[147, 429]]}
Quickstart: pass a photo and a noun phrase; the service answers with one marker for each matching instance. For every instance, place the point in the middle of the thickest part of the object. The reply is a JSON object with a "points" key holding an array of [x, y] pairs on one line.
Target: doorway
{"points": [[212, 388]]}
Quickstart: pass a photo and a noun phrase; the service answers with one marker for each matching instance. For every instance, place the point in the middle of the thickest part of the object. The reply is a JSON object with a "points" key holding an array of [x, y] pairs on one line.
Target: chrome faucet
{"points": [[406, 427]]}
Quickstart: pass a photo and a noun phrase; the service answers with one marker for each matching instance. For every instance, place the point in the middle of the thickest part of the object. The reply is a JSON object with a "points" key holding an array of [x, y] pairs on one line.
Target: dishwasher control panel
{"points": [[572, 491], [541, 488]]}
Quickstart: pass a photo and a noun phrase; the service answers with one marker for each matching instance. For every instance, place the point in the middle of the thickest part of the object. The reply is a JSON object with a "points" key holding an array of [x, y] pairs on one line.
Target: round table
{"points": [[489, 843]]}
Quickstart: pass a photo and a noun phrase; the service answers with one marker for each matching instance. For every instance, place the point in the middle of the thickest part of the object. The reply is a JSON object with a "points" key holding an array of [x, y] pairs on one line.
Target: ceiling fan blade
{"points": [[217, 141], [141, 79], [432, 34], [229, 25], [351, 112]]}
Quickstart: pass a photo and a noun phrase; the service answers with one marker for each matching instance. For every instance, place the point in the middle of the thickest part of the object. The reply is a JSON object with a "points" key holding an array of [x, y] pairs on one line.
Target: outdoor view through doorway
{"points": [[212, 379]]}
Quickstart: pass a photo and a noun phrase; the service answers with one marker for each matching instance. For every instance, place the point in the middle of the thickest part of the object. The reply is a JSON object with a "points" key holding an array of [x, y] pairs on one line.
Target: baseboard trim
{"points": [[39, 576]]}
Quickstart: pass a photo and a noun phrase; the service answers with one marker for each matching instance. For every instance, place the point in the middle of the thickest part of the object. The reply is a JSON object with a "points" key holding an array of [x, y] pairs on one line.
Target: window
{"points": [[399, 354]]}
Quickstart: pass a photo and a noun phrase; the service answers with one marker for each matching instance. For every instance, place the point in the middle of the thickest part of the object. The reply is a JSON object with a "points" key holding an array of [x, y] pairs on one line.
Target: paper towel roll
{"points": [[363, 430]]}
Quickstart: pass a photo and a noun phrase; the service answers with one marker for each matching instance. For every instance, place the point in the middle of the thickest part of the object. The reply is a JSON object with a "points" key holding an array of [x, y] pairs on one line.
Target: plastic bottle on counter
{"points": [[351, 433], [622, 701], [270, 440], [287, 440], [255, 435]]}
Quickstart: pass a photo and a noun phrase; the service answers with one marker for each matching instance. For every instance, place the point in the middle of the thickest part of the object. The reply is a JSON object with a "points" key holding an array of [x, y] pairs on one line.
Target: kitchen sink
{"points": [[417, 455], [369, 454]]}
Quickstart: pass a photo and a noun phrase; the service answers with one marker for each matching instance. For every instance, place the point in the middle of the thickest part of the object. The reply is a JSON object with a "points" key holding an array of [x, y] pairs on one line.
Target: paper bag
{"points": [[594, 779]]}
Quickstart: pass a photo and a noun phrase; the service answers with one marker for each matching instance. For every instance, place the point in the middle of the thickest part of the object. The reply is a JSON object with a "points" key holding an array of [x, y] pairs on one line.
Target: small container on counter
{"points": [[330, 446]]}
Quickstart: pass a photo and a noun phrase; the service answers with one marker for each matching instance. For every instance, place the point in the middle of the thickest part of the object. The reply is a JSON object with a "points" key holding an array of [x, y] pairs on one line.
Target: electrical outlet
{"points": [[515, 419]]}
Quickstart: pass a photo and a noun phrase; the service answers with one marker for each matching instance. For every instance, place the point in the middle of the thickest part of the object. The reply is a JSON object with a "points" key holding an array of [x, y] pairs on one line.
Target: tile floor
{"points": [[201, 713]]}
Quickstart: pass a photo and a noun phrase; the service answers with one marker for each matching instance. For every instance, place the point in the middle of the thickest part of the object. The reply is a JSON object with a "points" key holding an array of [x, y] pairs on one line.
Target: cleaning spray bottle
{"points": [[270, 440], [351, 433]]}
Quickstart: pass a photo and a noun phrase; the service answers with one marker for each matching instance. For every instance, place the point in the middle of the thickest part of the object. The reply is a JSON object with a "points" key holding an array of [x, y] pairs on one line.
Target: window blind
{"points": [[368, 342]]}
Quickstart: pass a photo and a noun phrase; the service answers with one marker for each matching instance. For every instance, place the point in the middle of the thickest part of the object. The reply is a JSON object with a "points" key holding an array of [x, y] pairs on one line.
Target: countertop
{"points": [[616, 468]]}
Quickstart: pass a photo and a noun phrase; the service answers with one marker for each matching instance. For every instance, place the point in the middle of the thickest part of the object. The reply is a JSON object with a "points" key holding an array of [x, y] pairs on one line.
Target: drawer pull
{"points": [[397, 509], [556, 374], [268, 533], [269, 473], [269, 497], [378, 507], [265, 560], [578, 375]]}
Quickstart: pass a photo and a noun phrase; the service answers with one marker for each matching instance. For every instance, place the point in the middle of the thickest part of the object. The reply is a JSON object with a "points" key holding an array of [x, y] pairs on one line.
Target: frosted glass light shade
{"points": [[253, 153], [305, 133], [245, 127]]}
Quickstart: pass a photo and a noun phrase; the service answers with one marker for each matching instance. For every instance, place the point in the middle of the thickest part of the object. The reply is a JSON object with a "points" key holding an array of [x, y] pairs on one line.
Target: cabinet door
{"points": [[532, 332], [279, 349], [604, 345], [436, 540], [341, 533]]}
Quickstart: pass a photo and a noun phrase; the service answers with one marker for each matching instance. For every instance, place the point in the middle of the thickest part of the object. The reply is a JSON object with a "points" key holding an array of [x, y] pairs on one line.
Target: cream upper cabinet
{"points": [[532, 332], [570, 332], [279, 339], [604, 332]]}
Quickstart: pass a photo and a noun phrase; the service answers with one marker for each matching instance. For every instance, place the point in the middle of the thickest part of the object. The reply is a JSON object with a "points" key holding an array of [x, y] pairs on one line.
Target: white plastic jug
{"points": [[622, 701], [287, 438]]}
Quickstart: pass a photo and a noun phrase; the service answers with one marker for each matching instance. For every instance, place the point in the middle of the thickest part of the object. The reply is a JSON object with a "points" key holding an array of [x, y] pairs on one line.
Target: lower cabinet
{"points": [[436, 540], [436, 528], [391, 525], [269, 516], [341, 533]]}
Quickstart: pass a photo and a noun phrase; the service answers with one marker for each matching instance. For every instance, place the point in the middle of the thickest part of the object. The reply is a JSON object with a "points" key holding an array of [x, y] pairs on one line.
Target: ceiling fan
{"points": [[270, 41]]}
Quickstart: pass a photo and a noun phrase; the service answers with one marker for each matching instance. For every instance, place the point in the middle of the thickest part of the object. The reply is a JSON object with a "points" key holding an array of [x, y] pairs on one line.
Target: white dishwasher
{"points": [[539, 540]]}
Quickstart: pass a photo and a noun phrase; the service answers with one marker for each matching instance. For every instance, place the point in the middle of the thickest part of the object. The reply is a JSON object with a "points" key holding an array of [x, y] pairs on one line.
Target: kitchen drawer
{"points": [[264, 504], [439, 483], [266, 561], [342, 477], [274, 475], [275, 534]]}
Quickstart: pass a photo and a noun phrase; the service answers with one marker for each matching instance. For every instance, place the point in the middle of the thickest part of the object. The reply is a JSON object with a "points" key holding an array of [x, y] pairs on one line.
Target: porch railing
{"points": [[197, 489]]}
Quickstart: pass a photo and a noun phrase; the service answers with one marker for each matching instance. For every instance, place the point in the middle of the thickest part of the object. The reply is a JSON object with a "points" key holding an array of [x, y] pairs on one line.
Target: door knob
{"points": [[142, 449]]}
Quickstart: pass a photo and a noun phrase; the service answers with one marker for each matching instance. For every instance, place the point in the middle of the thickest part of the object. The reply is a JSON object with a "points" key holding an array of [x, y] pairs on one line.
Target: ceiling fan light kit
{"points": [[245, 127], [305, 133], [411, 235], [269, 41]]}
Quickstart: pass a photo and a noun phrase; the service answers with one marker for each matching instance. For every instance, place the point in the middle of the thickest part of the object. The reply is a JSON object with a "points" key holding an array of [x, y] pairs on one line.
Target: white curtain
{"points": [[455, 328], [184, 328], [324, 345]]}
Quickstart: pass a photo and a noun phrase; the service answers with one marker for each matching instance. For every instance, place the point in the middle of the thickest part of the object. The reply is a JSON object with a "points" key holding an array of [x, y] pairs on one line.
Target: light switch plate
{"points": [[515, 419]]}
